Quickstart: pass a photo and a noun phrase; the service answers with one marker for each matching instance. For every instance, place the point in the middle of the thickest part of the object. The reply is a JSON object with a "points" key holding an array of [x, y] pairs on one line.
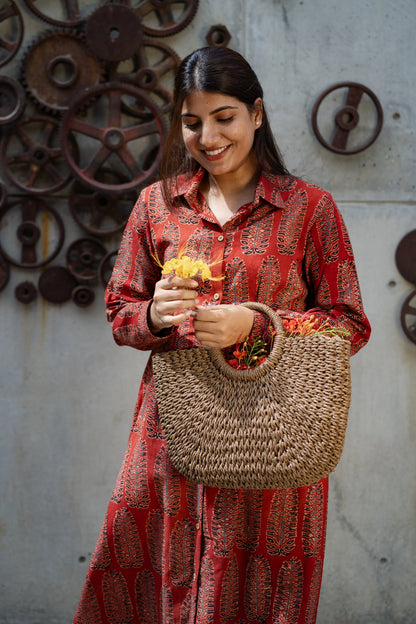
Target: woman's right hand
{"points": [[173, 302]]}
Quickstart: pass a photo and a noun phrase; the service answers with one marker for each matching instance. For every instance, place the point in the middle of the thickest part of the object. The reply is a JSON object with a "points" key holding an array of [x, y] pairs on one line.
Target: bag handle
{"points": [[218, 358]]}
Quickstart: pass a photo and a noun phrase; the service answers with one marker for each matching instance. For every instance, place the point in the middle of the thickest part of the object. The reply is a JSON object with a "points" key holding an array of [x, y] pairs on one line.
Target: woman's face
{"points": [[218, 131]]}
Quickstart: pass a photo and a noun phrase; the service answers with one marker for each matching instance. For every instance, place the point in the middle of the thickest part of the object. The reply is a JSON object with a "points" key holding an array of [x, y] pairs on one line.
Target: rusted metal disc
{"points": [[32, 157], [406, 257], [347, 118], [83, 258], [56, 284], [119, 143], [83, 296], [56, 67], [39, 230], [98, 213], [114, 32], [26, 292]]}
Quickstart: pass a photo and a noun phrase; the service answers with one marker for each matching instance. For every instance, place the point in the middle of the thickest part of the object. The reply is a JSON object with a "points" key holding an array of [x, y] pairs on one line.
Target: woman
{"points": [[171, 551]]}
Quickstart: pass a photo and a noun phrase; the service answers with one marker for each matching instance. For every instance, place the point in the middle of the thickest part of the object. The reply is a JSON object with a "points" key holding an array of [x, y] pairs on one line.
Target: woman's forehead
{"points": [[207, 102]]}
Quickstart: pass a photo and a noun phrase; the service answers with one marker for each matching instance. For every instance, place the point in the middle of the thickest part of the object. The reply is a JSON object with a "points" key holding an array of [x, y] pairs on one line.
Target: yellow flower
{"points": [[186, 267]]}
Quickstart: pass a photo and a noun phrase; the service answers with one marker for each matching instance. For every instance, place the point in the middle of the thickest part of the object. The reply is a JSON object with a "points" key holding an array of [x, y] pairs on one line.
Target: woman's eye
{"points": [[192, 126], [226, 119]]}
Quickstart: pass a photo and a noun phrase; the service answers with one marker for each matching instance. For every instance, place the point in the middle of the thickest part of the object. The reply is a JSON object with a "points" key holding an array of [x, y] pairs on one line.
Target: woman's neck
{"points": [[225, 196]]}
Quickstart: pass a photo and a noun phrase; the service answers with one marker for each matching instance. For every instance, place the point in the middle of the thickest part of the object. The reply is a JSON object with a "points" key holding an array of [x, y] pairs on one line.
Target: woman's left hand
{"points": [[222, 325]]}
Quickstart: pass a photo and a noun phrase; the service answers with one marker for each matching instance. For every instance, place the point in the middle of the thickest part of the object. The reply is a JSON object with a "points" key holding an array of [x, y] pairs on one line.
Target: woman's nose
{"points": [[209, 134]]}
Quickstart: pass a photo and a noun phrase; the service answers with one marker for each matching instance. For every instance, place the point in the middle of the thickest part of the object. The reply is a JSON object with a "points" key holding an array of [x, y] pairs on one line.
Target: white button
{"points": [[198, 526], [216, 296], [220, 238]]}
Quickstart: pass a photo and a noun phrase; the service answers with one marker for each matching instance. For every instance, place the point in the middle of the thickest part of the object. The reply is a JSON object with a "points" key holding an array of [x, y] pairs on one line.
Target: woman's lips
{"points": [[215, 154]]}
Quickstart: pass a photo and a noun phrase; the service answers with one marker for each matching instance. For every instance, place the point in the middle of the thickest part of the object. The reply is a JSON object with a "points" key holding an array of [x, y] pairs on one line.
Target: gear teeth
{"points": [[111, 19], [52, 97], [166, 31], [70, 23]]}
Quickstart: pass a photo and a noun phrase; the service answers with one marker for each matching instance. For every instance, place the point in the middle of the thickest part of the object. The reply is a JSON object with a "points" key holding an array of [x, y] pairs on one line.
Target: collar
{"points": [[269, 188]]}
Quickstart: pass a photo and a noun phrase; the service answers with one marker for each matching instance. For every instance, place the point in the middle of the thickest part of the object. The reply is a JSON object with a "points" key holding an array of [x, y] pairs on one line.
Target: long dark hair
{"points": [[216, 70]]}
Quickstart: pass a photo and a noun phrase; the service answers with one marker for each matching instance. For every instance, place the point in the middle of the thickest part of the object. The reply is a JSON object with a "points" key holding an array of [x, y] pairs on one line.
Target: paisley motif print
{"points": [[282, 523], [174, 552]]}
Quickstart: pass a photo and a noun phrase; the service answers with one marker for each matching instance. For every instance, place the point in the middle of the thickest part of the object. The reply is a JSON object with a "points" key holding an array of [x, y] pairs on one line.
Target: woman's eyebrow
{"points": [[217, 110]]}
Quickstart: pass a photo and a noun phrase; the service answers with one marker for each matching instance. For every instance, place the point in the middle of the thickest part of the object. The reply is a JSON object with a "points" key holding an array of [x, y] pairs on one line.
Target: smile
{"points": [[212, 154]]}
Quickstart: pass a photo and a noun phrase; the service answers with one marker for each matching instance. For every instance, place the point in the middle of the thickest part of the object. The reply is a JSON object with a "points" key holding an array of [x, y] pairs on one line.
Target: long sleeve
{"points": [[328, 273], [331, 274], [130, 290]]}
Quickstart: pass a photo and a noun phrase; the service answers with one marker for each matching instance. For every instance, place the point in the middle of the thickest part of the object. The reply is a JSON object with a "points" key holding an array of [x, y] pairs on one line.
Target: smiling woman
{"points": [[218, 132], [172, 551]]}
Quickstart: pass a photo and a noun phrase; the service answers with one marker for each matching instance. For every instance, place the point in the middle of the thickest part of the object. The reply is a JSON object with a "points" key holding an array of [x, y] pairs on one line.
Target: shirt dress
{"points": [[171, 552]]}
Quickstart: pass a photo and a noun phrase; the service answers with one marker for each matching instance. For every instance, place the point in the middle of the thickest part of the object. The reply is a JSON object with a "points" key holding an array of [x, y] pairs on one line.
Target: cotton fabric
{"points": [[171, 552]]}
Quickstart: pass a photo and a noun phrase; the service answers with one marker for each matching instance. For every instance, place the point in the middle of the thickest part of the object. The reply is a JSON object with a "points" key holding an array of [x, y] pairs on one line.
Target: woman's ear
{"points": [[258, 111]]}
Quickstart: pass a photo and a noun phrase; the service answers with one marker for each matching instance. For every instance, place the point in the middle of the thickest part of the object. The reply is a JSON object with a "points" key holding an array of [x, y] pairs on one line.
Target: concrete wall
{"points": [[67, 392]]}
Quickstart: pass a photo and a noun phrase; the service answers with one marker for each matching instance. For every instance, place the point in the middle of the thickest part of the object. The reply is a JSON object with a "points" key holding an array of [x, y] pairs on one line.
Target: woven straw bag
{"points": [[279, 425]]}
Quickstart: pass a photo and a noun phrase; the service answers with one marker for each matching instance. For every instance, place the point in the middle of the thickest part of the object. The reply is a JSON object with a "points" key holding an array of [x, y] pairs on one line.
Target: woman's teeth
{"points": [[215, 152]]}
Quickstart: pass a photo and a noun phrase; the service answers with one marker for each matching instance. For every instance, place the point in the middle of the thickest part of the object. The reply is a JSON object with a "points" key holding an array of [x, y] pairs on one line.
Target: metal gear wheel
{"points": [[98, 213], [38, 228], [106, 137], [32, 157], [65, 13], [11, 30], [114, 32], [57, 66], [12, 100], [83, 258], [152, 68], [161, 18]]}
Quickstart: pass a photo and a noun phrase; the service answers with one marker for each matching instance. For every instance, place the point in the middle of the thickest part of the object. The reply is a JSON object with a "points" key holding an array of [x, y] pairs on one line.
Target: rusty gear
{"points": [[58, 66], [161, 18], [114, 32], [153, 69], [346, 118], [98, 213], [56, 284], [113, 139], [66, 12], [83, 258], [11, 23], [33, 221], [26, 292], [83, 296], [12, 100], [32, 157]]}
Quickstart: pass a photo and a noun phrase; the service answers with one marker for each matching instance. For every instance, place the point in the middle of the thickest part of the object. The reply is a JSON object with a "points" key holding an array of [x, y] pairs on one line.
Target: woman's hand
{"points": [[222, 325], [173, 302]]}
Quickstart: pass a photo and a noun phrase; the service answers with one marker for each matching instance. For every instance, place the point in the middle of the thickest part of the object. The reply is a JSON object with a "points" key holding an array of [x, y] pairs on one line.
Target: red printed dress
{"points": [[171, 552]]}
